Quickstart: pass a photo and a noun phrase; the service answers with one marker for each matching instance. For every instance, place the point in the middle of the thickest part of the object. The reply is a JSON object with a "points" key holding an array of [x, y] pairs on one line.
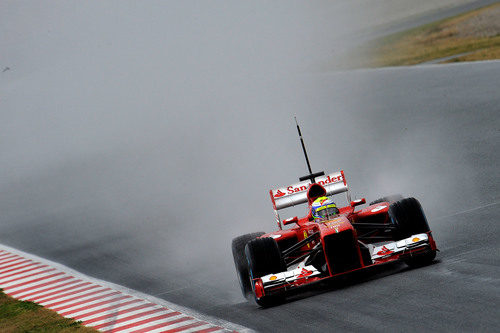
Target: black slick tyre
{"points": [[389, 198], [240, 261], [409, 219], [422, 259], [264, 257]]}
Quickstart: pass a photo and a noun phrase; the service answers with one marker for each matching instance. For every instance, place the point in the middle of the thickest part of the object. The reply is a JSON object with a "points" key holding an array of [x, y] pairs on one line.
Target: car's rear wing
{"points": [[296, 194]]}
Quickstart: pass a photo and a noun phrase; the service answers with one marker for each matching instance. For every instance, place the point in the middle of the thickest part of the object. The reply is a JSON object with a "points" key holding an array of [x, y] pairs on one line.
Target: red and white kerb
{"points": [[103, 306]]}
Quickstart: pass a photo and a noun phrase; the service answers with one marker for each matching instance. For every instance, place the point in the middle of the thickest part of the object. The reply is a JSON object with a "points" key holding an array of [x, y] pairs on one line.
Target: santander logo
{"points": [[384, 251], [279, 194], [292, 189], [304, 273], [330, 180]]}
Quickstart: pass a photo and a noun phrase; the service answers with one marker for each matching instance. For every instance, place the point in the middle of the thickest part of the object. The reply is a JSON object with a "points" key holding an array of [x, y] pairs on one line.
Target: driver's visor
{"points": [[325, 211]]}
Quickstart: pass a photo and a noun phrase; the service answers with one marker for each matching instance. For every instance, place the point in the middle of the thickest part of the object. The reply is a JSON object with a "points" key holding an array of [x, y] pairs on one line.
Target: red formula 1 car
{"points": [[389, 229]]}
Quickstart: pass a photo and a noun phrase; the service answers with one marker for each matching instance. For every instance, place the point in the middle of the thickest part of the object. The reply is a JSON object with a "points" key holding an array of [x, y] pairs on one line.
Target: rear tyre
{"points": [[264, 257], [388, 198], [409, 219], [240, 261]]}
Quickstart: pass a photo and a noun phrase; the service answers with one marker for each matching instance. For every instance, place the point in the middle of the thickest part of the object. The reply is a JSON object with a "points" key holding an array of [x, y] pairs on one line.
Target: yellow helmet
{"points": [[323, 208]]}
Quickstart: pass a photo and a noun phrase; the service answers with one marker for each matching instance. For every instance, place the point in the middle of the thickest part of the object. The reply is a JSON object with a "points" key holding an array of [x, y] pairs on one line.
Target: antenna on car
{"points": [[311, 176]]}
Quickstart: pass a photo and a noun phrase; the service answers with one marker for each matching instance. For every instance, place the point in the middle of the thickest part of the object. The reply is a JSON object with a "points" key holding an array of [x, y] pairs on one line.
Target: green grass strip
{"points": [[23, 316], [466, 34]]}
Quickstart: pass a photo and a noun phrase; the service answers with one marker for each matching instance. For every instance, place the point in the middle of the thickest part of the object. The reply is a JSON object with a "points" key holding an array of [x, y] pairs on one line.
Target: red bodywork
{"points": [[343, 236]]}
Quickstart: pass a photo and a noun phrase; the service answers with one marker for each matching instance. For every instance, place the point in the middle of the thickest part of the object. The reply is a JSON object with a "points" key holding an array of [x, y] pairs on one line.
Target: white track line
{"points": [[466, 211]]}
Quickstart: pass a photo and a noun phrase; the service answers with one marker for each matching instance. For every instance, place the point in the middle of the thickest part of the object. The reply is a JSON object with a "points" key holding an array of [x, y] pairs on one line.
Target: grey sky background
{"points": [[167, 122]]}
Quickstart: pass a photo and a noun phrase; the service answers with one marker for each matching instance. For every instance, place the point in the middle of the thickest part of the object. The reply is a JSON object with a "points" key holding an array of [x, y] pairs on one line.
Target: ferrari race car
{"points": [[392, 228]]}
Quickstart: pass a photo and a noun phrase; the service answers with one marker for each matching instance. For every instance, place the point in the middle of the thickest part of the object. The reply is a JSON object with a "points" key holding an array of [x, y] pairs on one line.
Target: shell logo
{"points": [[272, 278], [416, 239]]}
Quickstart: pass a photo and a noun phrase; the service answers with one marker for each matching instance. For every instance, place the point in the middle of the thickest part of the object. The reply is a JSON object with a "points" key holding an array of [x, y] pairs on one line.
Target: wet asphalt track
{"points": [[434, 130], [461, 290]]}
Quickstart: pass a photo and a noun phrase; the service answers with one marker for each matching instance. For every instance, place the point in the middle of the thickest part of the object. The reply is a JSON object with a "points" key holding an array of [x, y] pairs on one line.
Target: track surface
{"points": [[428, 131]]}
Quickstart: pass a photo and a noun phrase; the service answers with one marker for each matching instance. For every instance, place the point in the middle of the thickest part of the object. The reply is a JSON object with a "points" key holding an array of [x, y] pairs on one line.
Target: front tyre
{"points": [[422, 259], [264, 257], [389, 198], [409, 219], [240, 261]]}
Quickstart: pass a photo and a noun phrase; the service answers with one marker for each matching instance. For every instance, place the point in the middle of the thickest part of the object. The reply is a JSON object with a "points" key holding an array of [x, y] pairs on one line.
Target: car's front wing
{"points": [[389, 251], [380, 253]]}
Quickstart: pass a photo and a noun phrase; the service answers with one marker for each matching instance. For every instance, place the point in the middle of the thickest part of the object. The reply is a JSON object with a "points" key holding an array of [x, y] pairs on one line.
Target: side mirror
{"points": [[358, 202], [291, 220]]}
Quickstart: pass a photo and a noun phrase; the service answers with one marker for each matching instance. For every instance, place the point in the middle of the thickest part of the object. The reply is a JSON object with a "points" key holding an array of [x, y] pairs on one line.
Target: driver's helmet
{"points": [[323, 209]]}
